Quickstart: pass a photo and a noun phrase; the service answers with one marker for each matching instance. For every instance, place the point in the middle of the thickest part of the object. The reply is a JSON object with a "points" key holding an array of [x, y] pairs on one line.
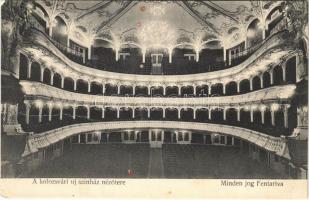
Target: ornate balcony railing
{"points": [[35, 90], [246, 53], [39, 141]]}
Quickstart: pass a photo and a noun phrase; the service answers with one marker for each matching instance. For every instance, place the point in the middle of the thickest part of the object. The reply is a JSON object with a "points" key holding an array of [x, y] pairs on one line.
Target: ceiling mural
{"points": [[133, 22]]}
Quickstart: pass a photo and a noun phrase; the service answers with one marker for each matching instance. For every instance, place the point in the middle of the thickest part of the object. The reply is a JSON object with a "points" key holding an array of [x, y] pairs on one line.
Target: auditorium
{"points": [[154, 89]]}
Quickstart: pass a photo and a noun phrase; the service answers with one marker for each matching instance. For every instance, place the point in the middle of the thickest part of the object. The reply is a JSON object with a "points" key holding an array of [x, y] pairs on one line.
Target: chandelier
{"points": [[157, 34]]}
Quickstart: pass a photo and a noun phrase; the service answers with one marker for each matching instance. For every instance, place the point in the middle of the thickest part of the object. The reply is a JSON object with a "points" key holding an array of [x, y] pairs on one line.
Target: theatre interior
{"points": [[154, 89]]}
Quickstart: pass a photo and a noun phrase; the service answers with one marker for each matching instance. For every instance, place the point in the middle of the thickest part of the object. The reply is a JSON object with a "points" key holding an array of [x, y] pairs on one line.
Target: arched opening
{"points": [[57, 80], [125, 113], [82, 86], [33, 118], [186, 114], [244, 86], [46, 76], [95, 113], [256, 83], [217, 115], [56, 116], [23, 67], [68, 114], [278, 75], [197, 138], [81, 114], [202, 115], [266, 79], [96, 88], [68, 84], [267, 118], [244, 117], [171, 114], [156, 91], [273, 18], [60, 31], [254, 33], [231, 116], [110, 113], [141, 113], [257, 117], [291, 70], [110, 90], [187, 91], [231, 88], [217, 89], [35, 72], [279, 119], [171, 91], [156, 113], [126, 90], [141, 91], [202, 90], [45, 112]]}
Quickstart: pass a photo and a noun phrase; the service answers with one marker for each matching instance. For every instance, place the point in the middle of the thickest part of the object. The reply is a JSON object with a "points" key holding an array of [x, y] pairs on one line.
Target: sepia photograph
{"points": [[101, 92]]}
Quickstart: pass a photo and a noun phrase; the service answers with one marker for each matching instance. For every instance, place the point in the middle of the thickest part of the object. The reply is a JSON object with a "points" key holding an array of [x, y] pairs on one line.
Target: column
{"points": [[284, 71], [88, 112], [271, 72], [144, 55], [40, 114], [179, 112], [285, 113], [223, 85], [251, 83], [89, 86], [51, 78], [149, 135], [133, 89], [197, 55], [117, 55], [238, 114], [62, 82], [162, 135], [68, 41], [204, 138], [224, 54], [194, 90], [50, 29], [74, 82], [209, 90], [264, 30], [103, 88], [170, 56], [209, 114], [261, 81], [263, 116], [50, 110], [61, 113], [148, 112], [224, 114], [238, 86], [118, 113], [273, 118], [118, 89], [133, 112], [42, 74], [233, 141], [28, 106], [164, 90], [78, 138], [179, 90], [74, 112], [29, 69], [251, 115], [103, 112], [89, 52], [163, 110], [149, 88]]}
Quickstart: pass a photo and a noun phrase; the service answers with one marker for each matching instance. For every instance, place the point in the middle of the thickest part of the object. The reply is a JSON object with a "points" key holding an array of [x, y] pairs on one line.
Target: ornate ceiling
{"points": [[189, 21]]}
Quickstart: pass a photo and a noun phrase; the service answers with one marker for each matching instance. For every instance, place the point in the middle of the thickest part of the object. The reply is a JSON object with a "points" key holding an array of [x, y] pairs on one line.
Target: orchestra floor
{"points": [[141, 161]]}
